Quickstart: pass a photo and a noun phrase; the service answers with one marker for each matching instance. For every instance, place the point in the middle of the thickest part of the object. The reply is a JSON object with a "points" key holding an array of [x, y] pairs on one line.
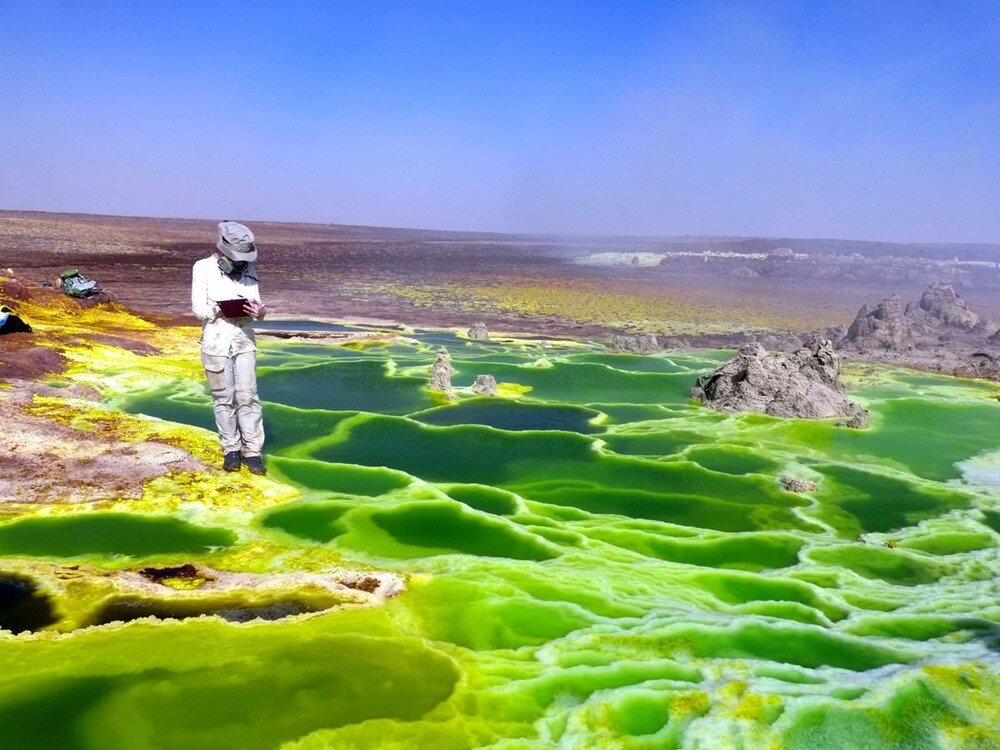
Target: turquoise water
{"points": [[596, 563]]}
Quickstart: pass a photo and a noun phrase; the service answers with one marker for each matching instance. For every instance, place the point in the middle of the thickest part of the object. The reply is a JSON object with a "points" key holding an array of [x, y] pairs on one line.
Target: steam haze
{"points": [[870, 121]]}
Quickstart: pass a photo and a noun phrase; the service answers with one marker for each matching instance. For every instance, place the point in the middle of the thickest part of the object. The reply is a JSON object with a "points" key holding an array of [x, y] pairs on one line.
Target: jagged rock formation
{"points": [[635, 343], [940, 306], [884, 327], [938, 332], [479, 331], [441, 372], [803, 384], [797, 484], [940, 313], [485, 385]]}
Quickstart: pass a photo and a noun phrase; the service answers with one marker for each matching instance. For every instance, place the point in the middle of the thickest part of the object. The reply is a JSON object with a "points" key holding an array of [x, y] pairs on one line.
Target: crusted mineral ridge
{"points": [[81, 596], [803, 384]]}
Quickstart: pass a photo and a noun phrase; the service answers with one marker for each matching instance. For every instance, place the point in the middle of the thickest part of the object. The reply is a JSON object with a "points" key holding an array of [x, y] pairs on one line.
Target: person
{"points": [[228, 347]]}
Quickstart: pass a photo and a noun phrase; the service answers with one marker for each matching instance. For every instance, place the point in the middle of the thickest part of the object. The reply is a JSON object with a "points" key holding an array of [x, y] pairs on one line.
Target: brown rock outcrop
{"points": [[21, 357], [46, 462]]}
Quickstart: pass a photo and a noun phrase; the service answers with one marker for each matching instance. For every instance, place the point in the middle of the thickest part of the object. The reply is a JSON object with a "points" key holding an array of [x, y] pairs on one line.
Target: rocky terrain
{"points": [[805, 384], [937, 332]]}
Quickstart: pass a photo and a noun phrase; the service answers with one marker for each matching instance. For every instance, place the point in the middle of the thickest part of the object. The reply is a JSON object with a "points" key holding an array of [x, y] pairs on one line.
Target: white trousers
{"points": [[232, 381]]}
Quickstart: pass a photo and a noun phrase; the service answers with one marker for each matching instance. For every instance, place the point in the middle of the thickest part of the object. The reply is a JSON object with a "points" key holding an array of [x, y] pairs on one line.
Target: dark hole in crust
{"points": [[187, 571], [22, 608], [126, 610], [368, 583]]}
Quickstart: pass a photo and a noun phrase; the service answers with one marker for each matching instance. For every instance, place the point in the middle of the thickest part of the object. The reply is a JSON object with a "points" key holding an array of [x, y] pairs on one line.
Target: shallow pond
{"points": [[596, 562]]}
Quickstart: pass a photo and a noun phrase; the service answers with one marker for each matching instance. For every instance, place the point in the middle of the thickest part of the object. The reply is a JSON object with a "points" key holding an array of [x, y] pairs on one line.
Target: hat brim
{"points": [[234, 254]]}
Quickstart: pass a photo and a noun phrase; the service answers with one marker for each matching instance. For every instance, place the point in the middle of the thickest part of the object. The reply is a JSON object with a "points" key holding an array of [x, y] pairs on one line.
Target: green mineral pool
{"points": [[594, 562]]}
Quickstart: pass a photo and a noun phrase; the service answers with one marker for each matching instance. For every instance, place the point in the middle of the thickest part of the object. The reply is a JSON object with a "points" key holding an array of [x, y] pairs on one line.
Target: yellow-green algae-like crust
{"points": [[212, 489]]}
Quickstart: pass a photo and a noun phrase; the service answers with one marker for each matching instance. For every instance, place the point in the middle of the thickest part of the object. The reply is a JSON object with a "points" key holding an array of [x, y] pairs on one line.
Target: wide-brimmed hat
{"points": [[236, 241]]}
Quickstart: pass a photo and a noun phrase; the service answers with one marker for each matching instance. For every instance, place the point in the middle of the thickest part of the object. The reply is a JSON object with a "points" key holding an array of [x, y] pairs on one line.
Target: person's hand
{"points": [[254, 308]]}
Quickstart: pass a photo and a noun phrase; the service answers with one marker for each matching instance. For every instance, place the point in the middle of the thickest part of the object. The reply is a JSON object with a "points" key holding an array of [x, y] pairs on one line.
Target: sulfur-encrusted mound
{"points": [[803, 384]]}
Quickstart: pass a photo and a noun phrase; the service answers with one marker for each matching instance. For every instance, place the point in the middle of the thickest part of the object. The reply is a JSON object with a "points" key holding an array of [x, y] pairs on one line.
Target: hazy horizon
{"points": [[540, 235], [853, 121]]}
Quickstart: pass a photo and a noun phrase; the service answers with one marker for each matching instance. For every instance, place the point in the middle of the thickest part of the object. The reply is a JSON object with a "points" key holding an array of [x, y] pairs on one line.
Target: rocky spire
{"points": [[441, 372]]}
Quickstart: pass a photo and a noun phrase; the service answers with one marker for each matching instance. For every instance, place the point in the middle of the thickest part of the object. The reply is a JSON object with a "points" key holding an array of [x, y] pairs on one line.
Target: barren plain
{"points": [[562, 285]]}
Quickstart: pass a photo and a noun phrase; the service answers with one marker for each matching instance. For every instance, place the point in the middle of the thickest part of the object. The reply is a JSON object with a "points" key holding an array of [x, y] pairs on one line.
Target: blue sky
{"points": [[876, 120]]}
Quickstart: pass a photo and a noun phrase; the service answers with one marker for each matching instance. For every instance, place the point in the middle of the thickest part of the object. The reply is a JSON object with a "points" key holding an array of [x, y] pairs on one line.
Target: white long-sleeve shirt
{"points": [[221, 336]]}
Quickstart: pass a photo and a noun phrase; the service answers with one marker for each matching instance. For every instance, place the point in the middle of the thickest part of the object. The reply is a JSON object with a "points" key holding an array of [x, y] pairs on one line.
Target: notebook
{"points": [[233, 308]]}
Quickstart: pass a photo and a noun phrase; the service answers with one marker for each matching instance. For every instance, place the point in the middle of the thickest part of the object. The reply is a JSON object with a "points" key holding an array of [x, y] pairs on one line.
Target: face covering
{"points": [[232, 267]]}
